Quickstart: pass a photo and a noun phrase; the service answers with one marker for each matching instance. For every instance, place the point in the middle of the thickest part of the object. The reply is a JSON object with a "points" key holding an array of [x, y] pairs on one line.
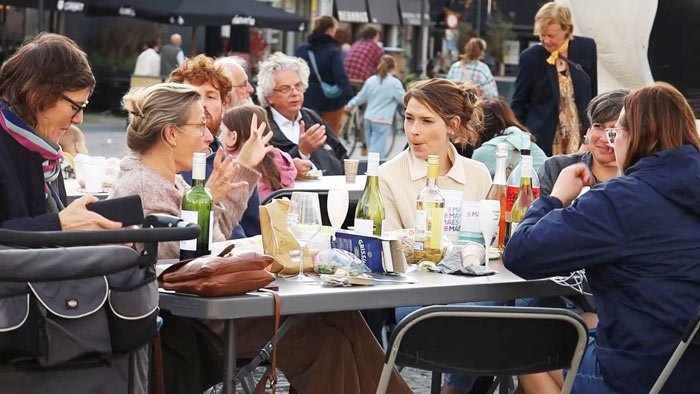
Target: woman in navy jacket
{"points": [[331, 69], [555, 82], [637, 238], [44, 88]]}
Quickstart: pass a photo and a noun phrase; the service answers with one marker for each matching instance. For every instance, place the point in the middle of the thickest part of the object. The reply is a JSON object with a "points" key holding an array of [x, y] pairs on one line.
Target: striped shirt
{"points": [[476, 72]]}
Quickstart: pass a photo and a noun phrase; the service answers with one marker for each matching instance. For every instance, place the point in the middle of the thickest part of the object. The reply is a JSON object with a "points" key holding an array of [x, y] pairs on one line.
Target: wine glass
{"points": [[303, 222], [337, 206], [489, 214]]}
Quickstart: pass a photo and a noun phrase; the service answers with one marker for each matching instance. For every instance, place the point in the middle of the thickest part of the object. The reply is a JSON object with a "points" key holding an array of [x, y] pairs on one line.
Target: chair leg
{"points": [[436, 382]]}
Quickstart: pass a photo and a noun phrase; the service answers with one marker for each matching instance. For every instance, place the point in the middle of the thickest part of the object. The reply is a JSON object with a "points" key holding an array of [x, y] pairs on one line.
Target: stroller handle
{"points": [[156, 228]]}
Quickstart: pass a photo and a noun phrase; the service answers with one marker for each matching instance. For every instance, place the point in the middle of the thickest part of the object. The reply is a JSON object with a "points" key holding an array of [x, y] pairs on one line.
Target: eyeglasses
{"points": [[243, 85], [611, 134], [201, 128], [287, 90], [76, 107]]}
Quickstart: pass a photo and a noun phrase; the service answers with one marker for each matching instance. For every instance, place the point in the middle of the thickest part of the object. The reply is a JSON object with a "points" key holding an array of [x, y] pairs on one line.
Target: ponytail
{"points": [[386, 64]]}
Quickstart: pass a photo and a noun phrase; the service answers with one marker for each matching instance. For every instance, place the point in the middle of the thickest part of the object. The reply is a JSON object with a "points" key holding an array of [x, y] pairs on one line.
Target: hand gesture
{"points": [[311, 139], [303, 166], [570, 182], [255, 149], [219, 181], [77, 217]]}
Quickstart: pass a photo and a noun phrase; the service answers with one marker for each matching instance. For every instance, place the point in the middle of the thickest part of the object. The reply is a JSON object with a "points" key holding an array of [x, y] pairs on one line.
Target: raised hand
{"points": [[255, 149], [311, 139], [77, 217], [219, 181], [570, 182]]}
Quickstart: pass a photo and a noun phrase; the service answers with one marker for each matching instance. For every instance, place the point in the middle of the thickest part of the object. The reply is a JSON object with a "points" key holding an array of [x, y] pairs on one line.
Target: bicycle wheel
{"points": [[396, 128], [348, 135]]}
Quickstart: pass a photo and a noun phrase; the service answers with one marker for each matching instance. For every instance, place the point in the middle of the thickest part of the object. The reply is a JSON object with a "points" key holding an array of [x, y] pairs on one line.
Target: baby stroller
{"points": [[76, 317]]}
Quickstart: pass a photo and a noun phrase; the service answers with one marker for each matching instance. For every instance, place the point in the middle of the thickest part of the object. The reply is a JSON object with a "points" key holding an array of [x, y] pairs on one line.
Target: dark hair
{"points": [[34, 78], [238, 119], [657, 117], [368, 33], [473, 50], [323, 23], [152, 43], [448, 99], [201, 69], [606, 106], [497, 117], [386, 64]]}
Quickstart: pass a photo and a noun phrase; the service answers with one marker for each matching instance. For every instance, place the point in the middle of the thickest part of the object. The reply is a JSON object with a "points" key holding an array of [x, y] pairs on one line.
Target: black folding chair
{"points": [[494, 341], [690, 336]]}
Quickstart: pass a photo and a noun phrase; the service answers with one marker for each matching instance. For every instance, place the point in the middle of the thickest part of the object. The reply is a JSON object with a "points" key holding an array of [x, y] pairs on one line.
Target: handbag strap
{"points": [[312, 59], [271, 375]]}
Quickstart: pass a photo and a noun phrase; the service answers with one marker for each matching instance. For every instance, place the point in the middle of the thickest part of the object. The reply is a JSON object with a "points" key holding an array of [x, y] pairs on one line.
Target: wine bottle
{"points": [[514, 182], [197, 208], [525, 196], [369, 215], [498, 192], [431, 202]]}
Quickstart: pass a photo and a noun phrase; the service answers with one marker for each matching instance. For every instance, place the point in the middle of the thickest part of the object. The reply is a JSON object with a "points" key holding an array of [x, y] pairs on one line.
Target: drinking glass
{"points": [[303, 222], [489, 214], [337, 206]]}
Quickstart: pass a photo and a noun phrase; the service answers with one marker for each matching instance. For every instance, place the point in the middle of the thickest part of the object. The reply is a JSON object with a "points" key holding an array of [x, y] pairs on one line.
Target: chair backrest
{"points": [[478, 340], [690, 336]]}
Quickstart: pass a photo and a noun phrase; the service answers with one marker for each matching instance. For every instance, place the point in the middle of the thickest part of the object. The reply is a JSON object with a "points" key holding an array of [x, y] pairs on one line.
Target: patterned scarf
{"points": [[26, 136], [552, 59]]}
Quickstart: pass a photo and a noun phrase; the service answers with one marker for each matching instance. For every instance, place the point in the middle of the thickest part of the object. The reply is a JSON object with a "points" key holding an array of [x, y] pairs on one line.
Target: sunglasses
{"points": [[76, 107]]}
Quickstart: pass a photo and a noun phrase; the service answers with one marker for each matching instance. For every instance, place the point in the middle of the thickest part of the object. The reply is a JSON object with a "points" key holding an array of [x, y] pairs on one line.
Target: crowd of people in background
{"points": [[639, 148]]}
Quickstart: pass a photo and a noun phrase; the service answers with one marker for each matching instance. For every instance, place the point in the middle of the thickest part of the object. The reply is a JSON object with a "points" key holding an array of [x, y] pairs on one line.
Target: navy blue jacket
{"points": [[249, 225], [22, 199], [332, 71], [536, 96], [638, 237]]}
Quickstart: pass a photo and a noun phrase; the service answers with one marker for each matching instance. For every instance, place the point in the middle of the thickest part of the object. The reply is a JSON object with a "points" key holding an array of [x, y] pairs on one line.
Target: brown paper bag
{"points": [[278, 241]]}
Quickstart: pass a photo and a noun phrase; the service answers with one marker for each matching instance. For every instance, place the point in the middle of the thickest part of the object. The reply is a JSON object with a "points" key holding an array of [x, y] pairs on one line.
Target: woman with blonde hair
{"points": [[469, 68], [382, 92], [636, 237], [555, 82]]}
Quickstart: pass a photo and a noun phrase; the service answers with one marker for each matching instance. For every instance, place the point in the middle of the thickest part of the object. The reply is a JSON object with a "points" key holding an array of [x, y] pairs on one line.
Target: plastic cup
{"points": [[351, 169], [94, 174], [473, 254]]}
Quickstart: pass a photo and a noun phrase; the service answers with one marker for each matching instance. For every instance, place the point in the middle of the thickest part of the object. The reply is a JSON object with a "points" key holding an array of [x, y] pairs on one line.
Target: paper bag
{"points": [[278, 241]]}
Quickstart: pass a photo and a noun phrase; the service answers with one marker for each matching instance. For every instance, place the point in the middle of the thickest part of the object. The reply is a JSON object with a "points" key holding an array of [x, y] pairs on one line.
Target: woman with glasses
{"points": [[166, 127], [44, 88], [599, 156], [636, 237]]}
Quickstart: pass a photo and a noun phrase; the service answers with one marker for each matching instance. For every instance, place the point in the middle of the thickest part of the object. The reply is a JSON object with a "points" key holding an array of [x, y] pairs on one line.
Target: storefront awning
{"points": [[353, 11], [385, 12], [410, 12]]}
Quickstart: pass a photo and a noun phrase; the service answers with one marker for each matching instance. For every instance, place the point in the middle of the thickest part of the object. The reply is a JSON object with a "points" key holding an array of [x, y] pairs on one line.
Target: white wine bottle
{"points": [[525, 196], [369, 215], [431, 202], [197, 208]]}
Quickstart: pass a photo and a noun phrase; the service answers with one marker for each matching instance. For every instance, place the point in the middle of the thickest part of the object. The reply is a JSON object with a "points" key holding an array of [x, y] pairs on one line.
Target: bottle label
{"points": [[364, 226], [421, 223], [191, 217], [512, 194]]}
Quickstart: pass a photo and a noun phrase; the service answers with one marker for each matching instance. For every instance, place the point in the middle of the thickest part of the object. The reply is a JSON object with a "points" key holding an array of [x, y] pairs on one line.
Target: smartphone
{"points": [[127, 210]]}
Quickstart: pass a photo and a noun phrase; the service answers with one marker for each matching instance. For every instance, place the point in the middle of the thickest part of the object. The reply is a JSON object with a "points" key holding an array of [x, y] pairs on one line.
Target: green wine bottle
{"points": [[369, 214], [525, 196], [197, 208]]}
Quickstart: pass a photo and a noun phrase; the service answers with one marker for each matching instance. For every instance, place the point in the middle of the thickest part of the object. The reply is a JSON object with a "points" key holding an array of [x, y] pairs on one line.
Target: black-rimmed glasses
{"points": [[76, 107]]}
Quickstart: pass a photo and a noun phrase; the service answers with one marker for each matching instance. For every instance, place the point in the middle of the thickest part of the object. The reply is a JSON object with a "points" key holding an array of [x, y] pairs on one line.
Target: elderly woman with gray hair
{"points": [[602, 112], [299, 131]]}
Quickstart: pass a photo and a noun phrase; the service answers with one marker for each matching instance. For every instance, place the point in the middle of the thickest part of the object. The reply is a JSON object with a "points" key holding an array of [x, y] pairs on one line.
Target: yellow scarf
{"points": [[552, 59]]}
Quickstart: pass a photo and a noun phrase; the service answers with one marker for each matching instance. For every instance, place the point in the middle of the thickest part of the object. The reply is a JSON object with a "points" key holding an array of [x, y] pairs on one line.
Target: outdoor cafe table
{"points": [[300, 298], [74, 191]]}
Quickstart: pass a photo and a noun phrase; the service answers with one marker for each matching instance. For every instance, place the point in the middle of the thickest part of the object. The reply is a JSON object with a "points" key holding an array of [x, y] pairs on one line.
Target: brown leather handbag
{"points": [[216, 276]]}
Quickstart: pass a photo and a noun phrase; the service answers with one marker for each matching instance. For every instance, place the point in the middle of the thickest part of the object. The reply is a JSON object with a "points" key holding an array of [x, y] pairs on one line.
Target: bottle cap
{"points": [[199, 164], [372, 164], [433, 160], [199, 158], [502, 149]]}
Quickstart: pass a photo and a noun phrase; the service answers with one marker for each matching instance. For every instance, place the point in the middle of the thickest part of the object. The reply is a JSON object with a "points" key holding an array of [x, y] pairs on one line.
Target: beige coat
{"points": [[402, 178]]}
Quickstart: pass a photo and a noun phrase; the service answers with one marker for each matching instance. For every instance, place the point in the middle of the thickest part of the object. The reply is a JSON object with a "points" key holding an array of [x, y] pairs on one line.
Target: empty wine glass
{"points": [[489, 214], [337, 206], [303, 222]]}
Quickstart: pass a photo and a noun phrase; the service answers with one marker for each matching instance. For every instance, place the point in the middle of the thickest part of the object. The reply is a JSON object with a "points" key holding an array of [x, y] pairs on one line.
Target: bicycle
{"points": [[353, 130]]}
